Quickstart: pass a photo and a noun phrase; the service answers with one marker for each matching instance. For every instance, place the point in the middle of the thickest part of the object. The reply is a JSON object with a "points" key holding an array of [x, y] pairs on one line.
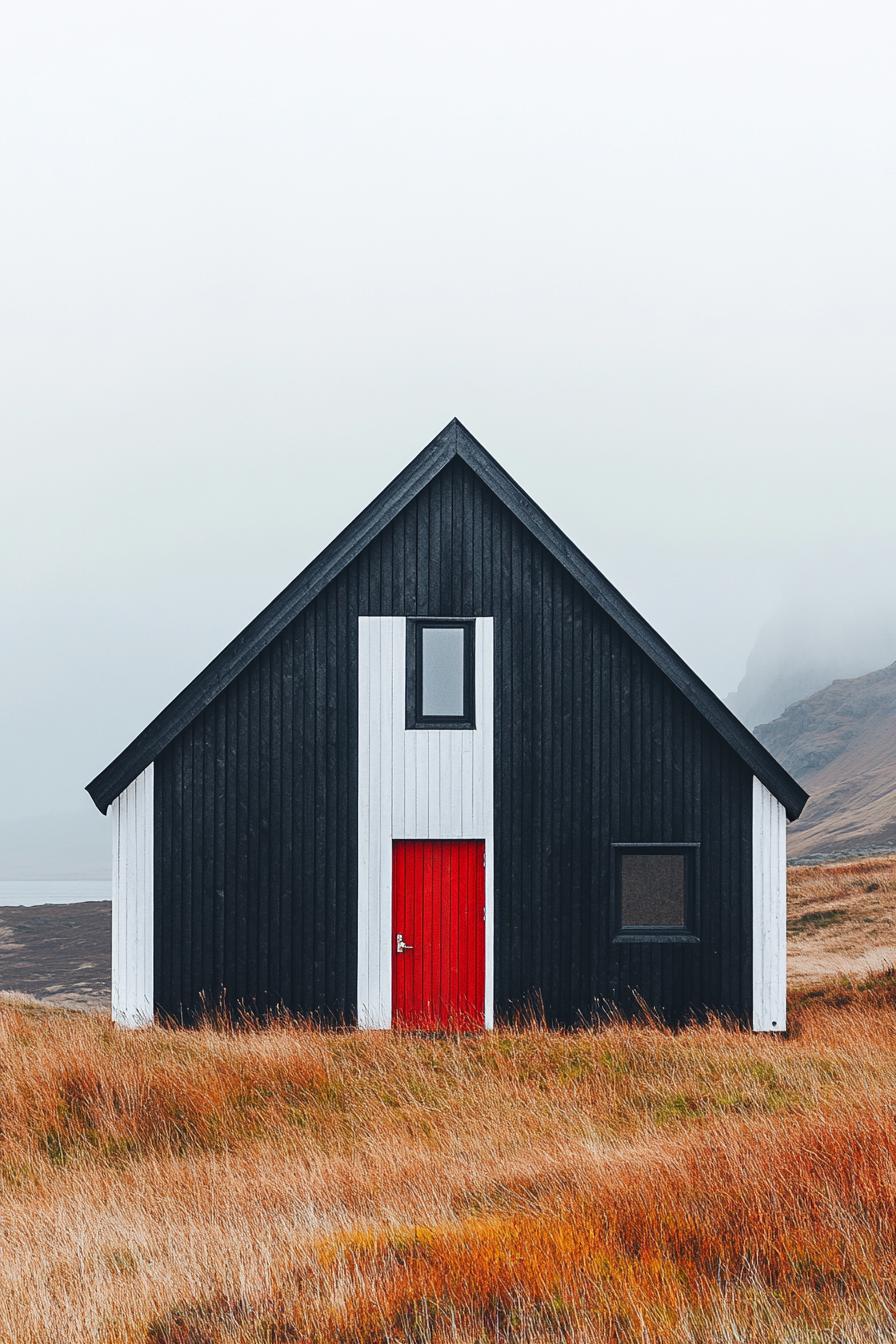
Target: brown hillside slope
{"points": [[841, 918], [841, 745]]}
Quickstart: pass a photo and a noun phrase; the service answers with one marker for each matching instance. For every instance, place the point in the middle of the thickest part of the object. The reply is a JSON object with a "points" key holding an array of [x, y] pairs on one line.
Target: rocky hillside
{"points": [[840, 743]]}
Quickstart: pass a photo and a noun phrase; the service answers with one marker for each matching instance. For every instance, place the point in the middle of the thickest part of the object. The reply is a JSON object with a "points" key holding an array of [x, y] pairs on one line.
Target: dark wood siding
{"points": [[256, 801]]}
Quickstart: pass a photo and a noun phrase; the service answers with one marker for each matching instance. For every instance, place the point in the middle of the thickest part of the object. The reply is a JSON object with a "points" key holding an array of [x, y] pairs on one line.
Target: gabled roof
{"points": [[454, 441]]}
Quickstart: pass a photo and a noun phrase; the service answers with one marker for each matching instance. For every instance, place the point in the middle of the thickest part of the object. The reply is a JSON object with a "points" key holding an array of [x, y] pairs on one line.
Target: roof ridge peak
{"points": [[454, 440]]}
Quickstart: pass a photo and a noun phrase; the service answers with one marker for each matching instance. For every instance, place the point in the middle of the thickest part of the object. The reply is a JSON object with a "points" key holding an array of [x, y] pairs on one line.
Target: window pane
{"points": [[443, 671], [653, 890]]}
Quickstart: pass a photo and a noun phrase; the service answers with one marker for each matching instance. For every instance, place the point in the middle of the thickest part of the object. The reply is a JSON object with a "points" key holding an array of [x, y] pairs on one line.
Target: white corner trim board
{"points": [[415, 784], [132, 907], [769, 911]]}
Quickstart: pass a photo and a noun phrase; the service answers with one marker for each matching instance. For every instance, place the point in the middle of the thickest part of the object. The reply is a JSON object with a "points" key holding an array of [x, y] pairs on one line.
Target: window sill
{"points": [[654, 937], [439, 725]]}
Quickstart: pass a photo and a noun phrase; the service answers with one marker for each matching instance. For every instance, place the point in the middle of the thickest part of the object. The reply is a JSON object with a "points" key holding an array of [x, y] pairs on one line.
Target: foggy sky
{"points": [[255, 256]]}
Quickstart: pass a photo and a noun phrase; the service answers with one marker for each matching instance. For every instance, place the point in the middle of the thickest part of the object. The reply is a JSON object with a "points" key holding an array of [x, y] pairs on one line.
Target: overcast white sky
{"points": [[255, 256]]}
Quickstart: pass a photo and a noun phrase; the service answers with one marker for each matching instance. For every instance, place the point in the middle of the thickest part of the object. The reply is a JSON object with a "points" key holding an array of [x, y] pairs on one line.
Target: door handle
{"points": [[401, 945]]}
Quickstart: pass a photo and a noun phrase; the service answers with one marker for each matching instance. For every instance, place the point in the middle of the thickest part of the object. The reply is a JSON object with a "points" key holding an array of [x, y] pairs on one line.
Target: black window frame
{"points": [[415, 718], [689, 931]]}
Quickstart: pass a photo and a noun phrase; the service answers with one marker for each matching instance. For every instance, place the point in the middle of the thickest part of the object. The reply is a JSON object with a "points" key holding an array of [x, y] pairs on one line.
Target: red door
{"points": [[438, 934]]}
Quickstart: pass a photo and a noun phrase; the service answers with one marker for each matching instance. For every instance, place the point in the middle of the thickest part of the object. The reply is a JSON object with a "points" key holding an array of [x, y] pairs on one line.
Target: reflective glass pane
{"points": [[443, 671]]}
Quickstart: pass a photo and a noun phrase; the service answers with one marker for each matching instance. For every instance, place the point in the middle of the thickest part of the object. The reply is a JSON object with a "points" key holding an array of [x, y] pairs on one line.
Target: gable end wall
{"points": [[256, 832]]}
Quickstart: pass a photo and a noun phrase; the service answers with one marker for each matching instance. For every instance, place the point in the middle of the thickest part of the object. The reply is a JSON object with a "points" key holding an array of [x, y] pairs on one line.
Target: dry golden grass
{"points": [[842, 917], [627, 1184]]}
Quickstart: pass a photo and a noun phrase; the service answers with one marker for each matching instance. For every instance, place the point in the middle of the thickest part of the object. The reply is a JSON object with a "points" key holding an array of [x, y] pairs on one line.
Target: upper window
{"points": [[656, 892], [440, 674]]}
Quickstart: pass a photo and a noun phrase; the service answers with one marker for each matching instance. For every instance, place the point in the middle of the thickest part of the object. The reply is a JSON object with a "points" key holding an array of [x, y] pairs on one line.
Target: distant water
{"points": [[53, 893]]}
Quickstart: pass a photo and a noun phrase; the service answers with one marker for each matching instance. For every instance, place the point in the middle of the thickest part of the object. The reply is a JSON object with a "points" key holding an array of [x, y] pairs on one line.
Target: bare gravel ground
{"points": [[60, 954]]}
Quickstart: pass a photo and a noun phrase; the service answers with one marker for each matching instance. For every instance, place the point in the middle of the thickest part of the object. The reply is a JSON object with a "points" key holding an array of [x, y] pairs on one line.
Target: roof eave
{"points": [[218, 674], [763, 764]]}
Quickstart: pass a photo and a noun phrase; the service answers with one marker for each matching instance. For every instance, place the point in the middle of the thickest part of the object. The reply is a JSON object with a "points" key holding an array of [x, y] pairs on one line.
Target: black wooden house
{"points": [[448, 775]]}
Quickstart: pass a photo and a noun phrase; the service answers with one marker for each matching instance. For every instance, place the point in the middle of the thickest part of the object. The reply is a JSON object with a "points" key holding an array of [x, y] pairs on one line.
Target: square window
{"points": [[655, 890], [440, 674]]}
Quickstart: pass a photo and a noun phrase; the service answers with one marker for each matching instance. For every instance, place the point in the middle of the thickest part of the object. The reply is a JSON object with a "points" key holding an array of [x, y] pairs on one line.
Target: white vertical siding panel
{"points": [[398, 720], [769, 911], [456, 783], [149, 902], [127, 910], [116, 886], [149, 995], [385, 885], [485, 771], [434, 810], [485, 635], [376, 824], [121, 1009], [136, 832], [414, 784], [133, 807], [467, 784], [445, 804], [482, 711], [410, 787], [768, 923], [780, 1004], [115, 813], [132, 902], [404, 751], [418, 743], [364, 820], [119, 898], [440, 806], [760, 885]]}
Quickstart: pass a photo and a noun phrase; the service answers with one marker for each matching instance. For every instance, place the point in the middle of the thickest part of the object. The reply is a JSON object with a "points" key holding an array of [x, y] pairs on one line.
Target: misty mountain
{"points": [[840, 743], [828, 635]]}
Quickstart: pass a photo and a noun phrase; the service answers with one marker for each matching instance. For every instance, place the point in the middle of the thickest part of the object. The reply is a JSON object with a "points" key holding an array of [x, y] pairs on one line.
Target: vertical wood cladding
{"points": [[133, 813], [256, 800]]}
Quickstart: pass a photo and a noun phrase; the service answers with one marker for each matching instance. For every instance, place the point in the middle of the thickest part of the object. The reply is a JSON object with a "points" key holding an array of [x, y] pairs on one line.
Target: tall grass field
{"points": [[286, 1184]]}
